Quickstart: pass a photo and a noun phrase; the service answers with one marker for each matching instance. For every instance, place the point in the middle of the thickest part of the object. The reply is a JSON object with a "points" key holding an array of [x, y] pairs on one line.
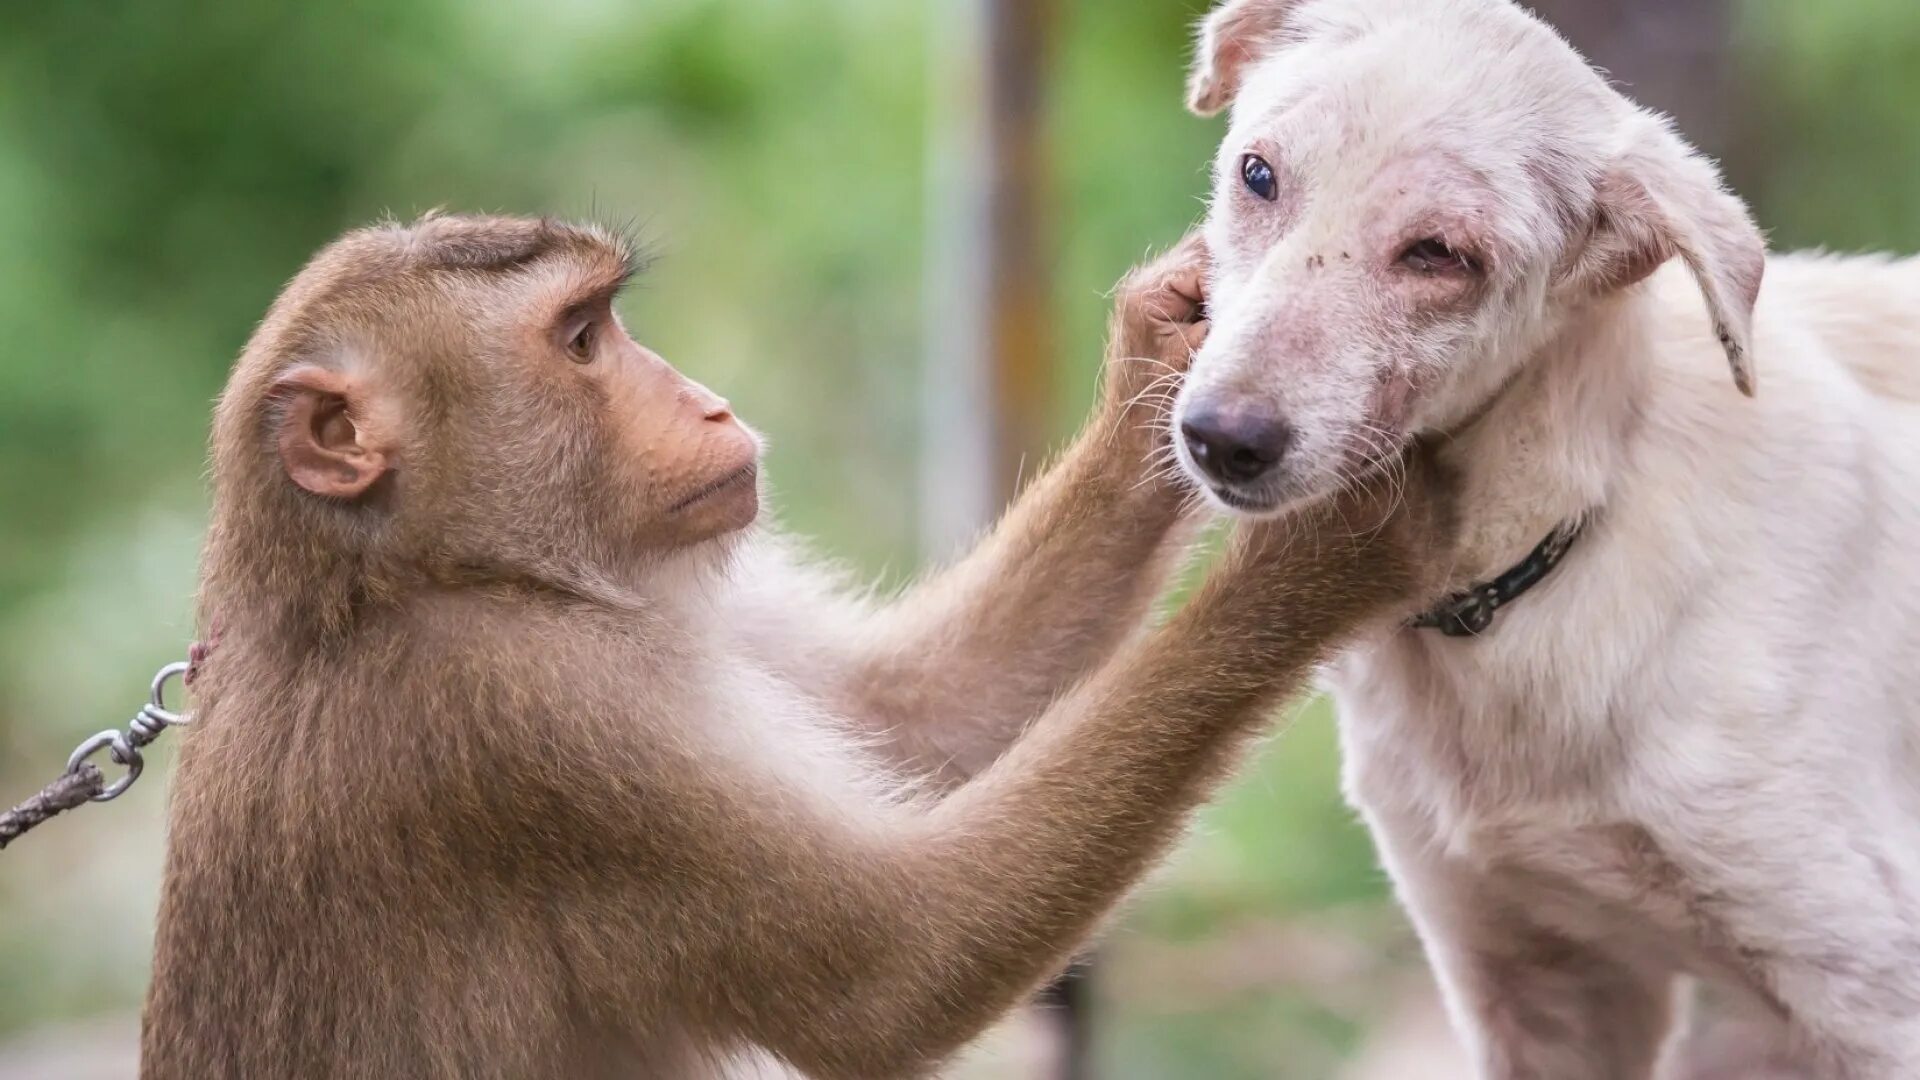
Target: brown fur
{"points": [[495, 778]]}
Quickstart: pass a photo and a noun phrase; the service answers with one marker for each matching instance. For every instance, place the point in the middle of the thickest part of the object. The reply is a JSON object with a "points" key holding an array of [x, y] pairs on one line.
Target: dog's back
{"points": [[1866, 310]]}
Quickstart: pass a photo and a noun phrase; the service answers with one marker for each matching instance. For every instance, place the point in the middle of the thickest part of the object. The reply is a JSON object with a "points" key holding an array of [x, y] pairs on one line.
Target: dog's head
{"points": [[1412, 197]]}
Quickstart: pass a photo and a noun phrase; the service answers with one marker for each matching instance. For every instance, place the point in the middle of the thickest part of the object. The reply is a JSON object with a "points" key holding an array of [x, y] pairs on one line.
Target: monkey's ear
{"points": [[325, 443], [1234, 36]]}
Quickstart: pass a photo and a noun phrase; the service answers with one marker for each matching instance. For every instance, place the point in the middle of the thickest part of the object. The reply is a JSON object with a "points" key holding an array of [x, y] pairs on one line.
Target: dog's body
{"points": [[1695, 747]]}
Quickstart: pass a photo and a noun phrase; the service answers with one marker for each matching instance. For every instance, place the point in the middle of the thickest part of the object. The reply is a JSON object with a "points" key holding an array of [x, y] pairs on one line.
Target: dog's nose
{"points": [[1236, 447]]}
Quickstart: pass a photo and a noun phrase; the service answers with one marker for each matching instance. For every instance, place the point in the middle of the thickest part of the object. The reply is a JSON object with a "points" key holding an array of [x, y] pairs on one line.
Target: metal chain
{"points": [[83, 782]]}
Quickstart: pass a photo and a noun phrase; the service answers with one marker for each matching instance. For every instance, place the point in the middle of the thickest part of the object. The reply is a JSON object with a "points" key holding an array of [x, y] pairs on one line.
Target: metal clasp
{"points": [[124, 747]]}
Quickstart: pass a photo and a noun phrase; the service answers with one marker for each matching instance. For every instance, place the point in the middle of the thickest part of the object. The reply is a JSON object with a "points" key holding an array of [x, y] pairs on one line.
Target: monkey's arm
{"points": [[952, 671], [956, 668], [949, 673], [857, 946]]}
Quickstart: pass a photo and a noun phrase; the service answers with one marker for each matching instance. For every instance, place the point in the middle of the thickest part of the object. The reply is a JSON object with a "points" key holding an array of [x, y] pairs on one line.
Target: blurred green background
{"points": [[165, 166]]}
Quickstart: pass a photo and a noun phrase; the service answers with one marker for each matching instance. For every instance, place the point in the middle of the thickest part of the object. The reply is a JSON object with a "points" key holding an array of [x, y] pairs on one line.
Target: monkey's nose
{"points": [[1236, 447], [711, 405]]}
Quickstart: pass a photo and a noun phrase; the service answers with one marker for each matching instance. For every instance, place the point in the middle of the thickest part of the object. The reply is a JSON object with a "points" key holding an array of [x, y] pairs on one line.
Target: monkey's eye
{"points": [[1435, 256], [580, 343], [1257, 174]]}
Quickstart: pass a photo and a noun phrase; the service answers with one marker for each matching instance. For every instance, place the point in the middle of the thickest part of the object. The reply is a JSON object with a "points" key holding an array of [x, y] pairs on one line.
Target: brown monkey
{"points": [[522, 756]]}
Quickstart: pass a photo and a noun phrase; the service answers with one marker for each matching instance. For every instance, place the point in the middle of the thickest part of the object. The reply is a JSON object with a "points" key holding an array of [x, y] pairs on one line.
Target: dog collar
{"points": [[1470, 613]]}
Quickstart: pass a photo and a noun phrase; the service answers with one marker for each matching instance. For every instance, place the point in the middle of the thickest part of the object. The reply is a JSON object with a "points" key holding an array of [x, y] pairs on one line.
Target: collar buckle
{"points": [[1470, 613]]}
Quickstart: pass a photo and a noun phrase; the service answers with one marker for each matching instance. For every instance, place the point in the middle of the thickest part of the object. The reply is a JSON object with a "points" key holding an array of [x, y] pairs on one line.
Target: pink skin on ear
{"points": [[1663, 201], [323, 445], [1237, 34]]}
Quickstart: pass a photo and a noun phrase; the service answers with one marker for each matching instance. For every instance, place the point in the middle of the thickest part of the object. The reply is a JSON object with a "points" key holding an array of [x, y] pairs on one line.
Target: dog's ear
{"points": [[1660, 200], [1235, 35]]}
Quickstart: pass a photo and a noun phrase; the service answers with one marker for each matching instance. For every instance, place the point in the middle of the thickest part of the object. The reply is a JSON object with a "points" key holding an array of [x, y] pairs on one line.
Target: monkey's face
{"points": [[464, 394], [677, 445], [575, 436]]}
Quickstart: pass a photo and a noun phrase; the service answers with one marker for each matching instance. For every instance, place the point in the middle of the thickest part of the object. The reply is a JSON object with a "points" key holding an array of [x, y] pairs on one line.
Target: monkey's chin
{"points": [[728, 505], [735, 511]]}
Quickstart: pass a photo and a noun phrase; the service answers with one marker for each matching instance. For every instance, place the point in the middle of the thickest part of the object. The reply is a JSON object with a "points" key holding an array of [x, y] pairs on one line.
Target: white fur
{"points": [[1696, 747]]}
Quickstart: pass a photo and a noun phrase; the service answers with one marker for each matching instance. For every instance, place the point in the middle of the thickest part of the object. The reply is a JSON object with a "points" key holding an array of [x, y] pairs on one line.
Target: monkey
{"points": [[529, 751]]}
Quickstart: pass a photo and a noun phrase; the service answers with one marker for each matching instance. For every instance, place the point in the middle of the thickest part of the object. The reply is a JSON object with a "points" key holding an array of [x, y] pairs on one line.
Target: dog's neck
{"points": [[1547, 448]]}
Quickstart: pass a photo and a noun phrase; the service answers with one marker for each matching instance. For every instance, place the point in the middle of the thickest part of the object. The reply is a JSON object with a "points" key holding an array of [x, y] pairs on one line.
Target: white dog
{"points": [[1688, 739]]}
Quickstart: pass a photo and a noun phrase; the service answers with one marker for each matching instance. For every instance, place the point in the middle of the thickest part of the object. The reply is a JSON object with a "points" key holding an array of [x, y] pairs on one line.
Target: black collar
{"points": [[1470, 613]]}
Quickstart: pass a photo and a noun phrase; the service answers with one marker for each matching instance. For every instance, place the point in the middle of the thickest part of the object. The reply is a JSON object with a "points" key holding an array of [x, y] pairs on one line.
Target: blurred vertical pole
{"points": [[958, 490], [987, 404], [1020, 297]]}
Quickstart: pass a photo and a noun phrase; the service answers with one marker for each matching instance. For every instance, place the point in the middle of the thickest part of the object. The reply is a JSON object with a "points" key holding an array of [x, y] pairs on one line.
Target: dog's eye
{"points": [[1435, 256], [1259, 178]]}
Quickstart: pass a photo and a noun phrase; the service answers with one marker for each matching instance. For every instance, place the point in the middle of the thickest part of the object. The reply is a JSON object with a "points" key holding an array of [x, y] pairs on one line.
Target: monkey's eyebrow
{"points": [[603, 292], [518, 245]]}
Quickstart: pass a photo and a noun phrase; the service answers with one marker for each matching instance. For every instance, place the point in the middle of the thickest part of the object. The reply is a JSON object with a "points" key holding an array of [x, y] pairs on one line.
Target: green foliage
{"points": [[1829, 127]]}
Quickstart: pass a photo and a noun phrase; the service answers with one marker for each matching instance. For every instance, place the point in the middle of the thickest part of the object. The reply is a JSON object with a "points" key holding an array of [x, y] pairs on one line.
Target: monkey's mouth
{"points": [[739, 478]]}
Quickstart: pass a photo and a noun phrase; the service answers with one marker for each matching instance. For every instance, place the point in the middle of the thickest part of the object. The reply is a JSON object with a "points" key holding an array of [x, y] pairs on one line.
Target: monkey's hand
{"points": [[1382, 547], [1159, 322]]}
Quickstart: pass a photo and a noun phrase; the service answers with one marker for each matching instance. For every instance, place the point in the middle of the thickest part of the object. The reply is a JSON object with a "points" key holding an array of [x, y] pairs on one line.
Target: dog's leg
{"points": [[1530, 1002]]}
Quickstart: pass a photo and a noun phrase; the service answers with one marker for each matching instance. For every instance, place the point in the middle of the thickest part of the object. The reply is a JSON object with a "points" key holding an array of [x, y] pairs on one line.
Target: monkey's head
{"points": [[457, 399]]}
